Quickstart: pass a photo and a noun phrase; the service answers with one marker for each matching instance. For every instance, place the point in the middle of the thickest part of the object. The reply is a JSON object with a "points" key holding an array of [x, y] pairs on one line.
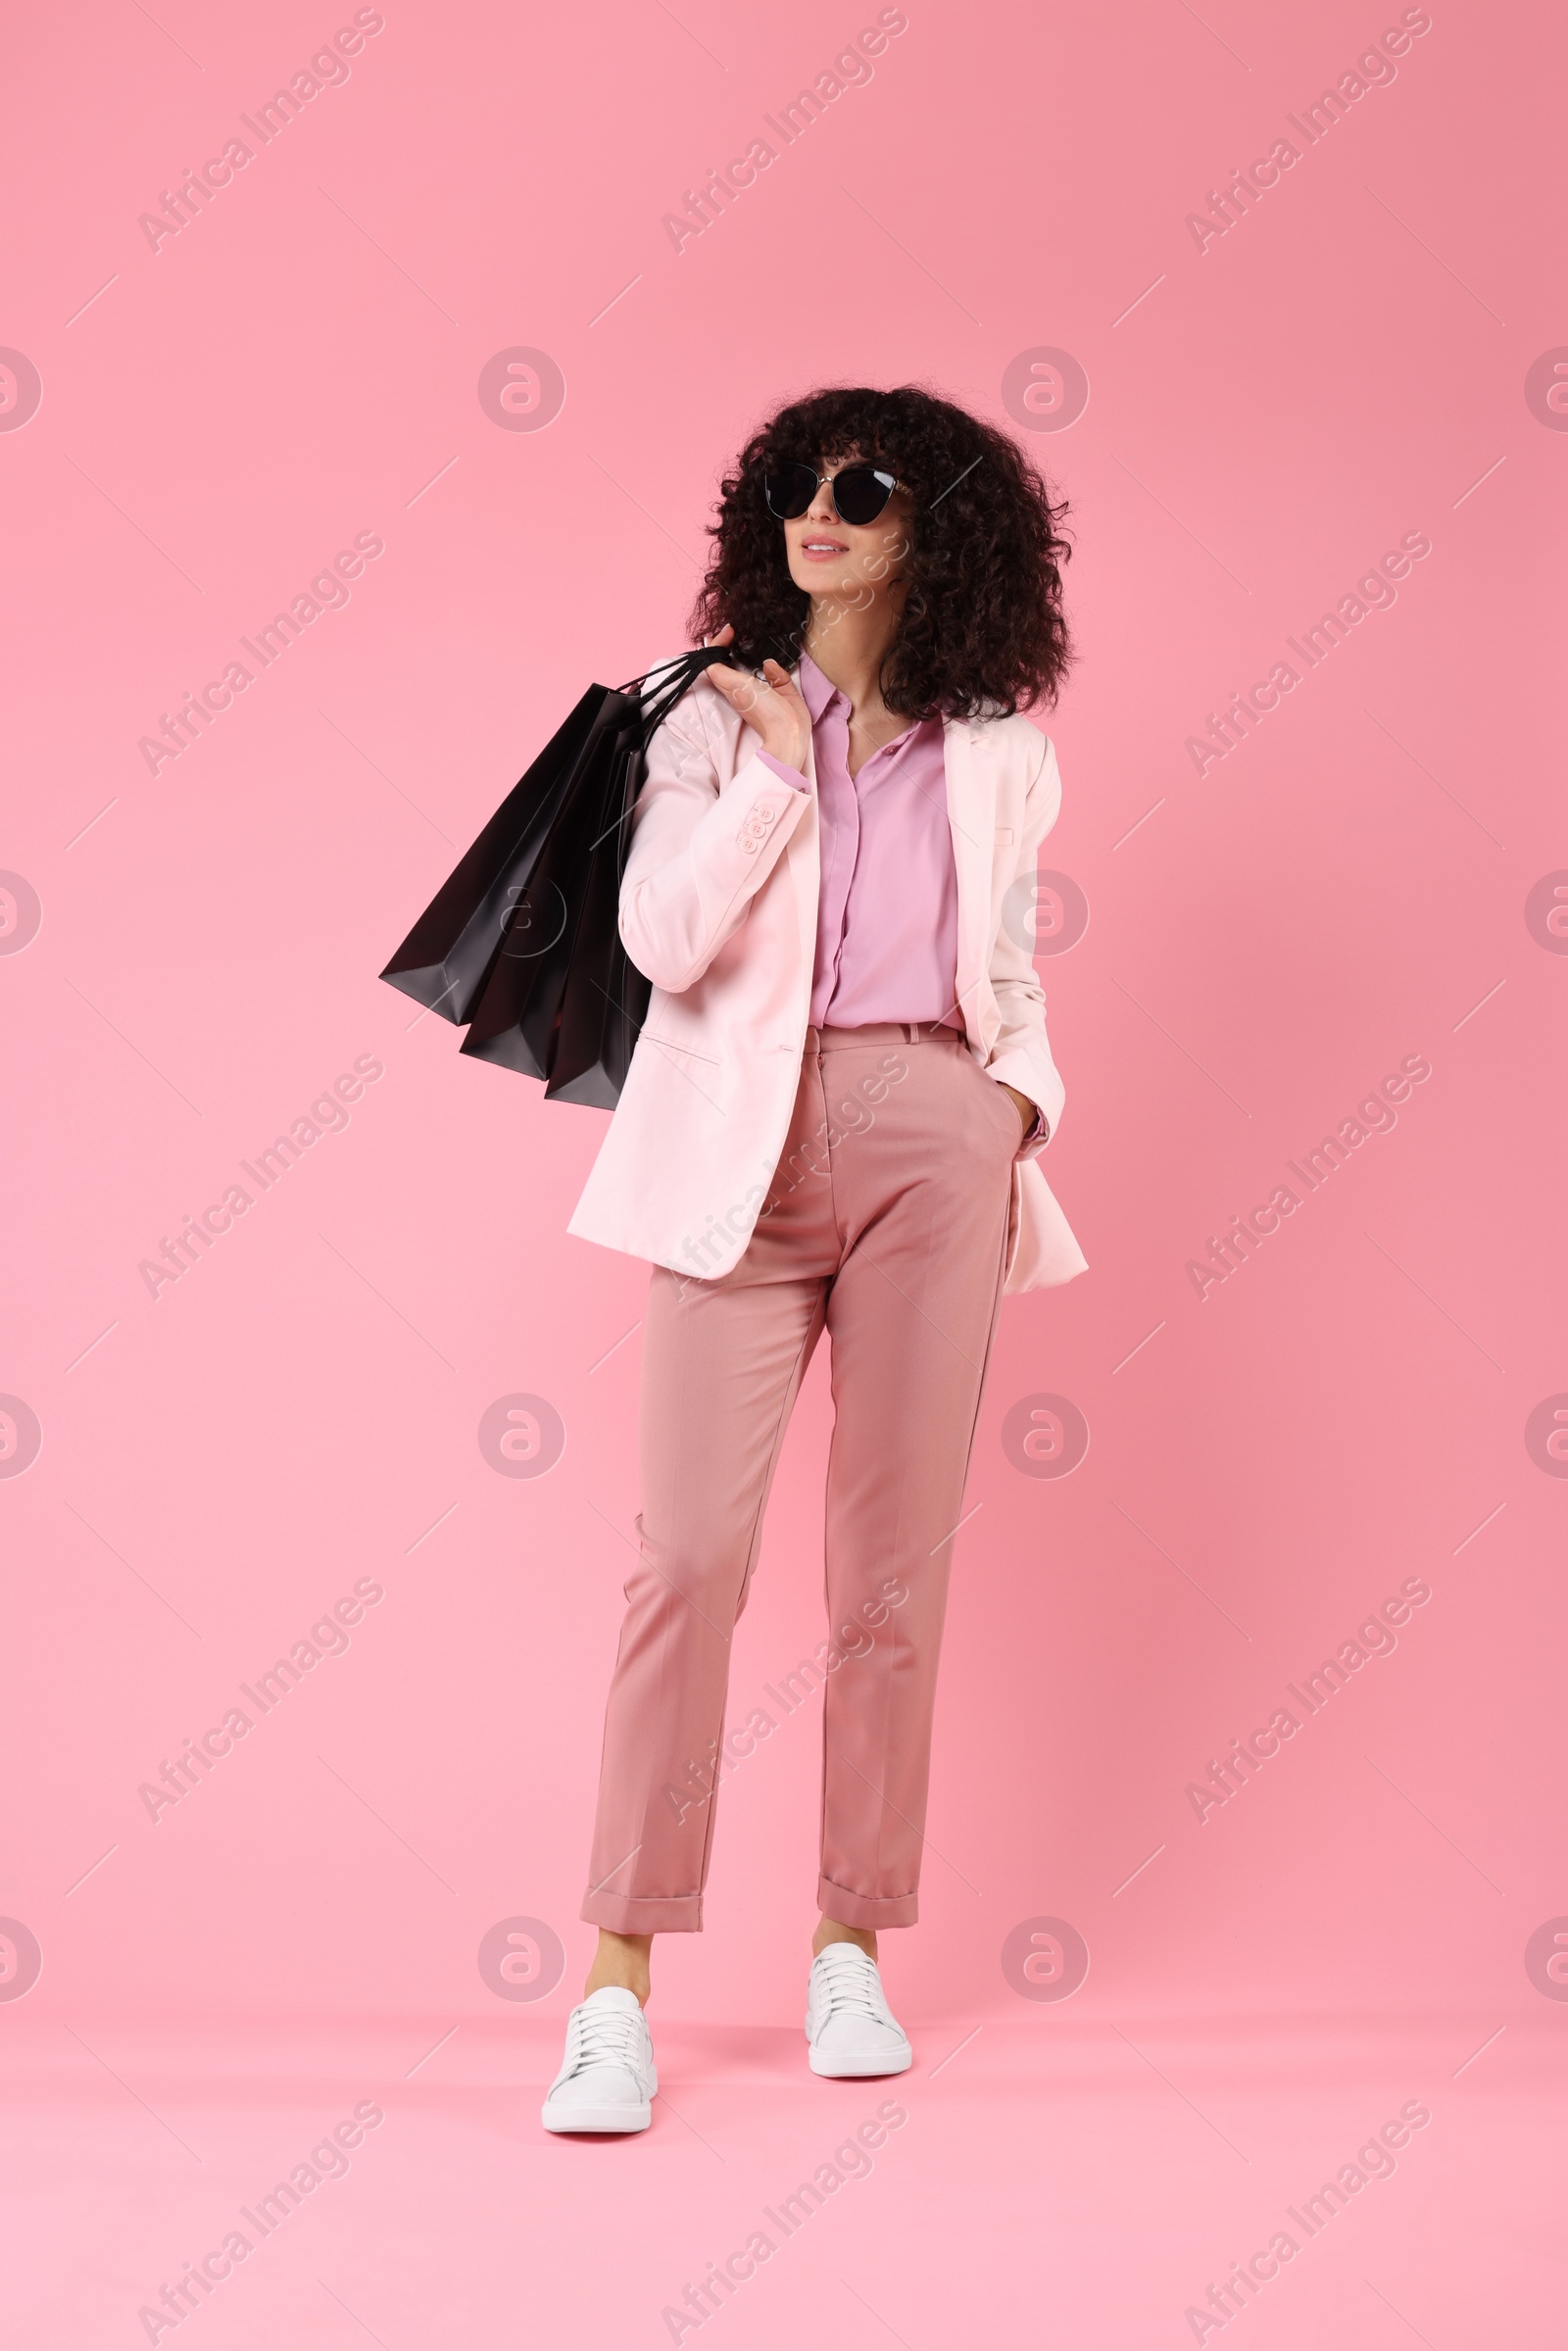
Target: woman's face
{"points": [[849, 563]]}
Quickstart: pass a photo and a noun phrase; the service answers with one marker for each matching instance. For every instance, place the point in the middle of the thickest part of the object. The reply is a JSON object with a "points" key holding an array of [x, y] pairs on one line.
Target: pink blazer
{"points": [[718, 908]]}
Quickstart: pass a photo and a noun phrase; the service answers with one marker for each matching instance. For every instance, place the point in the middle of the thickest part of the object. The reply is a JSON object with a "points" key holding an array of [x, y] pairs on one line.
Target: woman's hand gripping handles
{"points": [[770, 705]]}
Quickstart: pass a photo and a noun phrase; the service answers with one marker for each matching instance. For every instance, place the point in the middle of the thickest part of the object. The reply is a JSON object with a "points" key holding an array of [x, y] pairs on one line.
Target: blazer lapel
{"points": [[802, 855], [971, 790]]}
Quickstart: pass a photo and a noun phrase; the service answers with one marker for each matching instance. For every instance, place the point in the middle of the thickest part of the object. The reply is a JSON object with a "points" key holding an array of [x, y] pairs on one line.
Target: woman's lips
{"points": [[821, 551]]}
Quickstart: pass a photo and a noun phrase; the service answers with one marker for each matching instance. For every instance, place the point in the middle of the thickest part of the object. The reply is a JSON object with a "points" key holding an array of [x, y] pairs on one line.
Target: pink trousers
{"points": [[887, 1223]]}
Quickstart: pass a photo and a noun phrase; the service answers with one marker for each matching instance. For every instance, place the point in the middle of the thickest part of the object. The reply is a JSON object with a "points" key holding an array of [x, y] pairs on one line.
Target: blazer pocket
{"points": [[684, 1053]]}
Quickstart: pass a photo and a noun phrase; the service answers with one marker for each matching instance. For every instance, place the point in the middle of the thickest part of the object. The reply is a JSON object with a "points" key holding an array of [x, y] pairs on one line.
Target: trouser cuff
{"points": [[848, 1909], [643, 1914]]}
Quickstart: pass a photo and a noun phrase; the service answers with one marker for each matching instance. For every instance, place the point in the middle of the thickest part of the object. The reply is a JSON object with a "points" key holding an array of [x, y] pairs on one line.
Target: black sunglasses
{"points": [[860, 491]]}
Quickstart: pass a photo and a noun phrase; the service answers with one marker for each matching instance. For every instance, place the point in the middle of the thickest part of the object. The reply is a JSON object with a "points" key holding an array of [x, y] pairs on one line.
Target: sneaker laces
{"points": [[606, 2036], [850, 1979]]}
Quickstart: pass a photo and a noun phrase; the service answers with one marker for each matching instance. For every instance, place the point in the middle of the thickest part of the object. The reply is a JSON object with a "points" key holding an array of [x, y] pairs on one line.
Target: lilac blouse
{"points": [[886, 916]]}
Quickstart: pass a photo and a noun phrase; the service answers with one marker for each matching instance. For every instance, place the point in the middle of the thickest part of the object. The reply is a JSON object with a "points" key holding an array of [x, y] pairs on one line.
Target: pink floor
{"points": [[1050, 2182]]}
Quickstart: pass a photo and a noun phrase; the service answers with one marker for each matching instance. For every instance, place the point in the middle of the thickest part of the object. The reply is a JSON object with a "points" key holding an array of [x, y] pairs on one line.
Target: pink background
{"points": [[301, 364]]}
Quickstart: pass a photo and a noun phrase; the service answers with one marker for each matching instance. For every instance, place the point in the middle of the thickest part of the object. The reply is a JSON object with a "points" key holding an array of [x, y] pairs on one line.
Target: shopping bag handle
{"points": [[680, 673]]}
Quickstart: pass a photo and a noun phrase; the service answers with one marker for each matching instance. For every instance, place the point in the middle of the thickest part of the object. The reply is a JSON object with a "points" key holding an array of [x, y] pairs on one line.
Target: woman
{"points": [[830, 1121]]}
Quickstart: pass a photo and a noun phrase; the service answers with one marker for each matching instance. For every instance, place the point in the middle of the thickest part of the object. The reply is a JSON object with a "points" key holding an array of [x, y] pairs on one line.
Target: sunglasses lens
{"points": [[860, 491], [790, 491]]}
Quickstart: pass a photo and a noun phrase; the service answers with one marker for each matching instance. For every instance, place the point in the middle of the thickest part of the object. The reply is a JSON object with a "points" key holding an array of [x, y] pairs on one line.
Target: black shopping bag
{"points": [[605, 1000], [446, 957], [522, 942], [513, 1019]]}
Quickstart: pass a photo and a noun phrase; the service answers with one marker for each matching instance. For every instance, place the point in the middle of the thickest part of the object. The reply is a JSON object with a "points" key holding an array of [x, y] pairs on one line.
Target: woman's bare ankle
{"points": [[620, 1960], [829, 1931]]}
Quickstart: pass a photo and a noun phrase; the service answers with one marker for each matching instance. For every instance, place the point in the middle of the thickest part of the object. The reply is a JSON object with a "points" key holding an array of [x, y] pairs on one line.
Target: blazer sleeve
{"points": [[1022, 1053], [699, 849]]}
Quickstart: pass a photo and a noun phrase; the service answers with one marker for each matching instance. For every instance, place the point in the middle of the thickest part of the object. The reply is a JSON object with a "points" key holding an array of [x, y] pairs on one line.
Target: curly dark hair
{"points": [[982, 629]]}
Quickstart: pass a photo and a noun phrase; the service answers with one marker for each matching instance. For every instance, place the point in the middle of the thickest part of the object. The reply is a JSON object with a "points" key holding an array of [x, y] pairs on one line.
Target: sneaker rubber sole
{"points": [[601, 2119], [864, 2066]]}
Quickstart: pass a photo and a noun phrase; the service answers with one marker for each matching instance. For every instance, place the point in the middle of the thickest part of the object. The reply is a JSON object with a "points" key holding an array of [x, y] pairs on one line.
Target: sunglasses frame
{"points": [[880, 474]]}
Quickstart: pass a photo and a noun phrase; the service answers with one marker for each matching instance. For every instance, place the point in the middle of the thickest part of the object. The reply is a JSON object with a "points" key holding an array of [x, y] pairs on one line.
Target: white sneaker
{"points": [[849, 2027], [608, 2077]]}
